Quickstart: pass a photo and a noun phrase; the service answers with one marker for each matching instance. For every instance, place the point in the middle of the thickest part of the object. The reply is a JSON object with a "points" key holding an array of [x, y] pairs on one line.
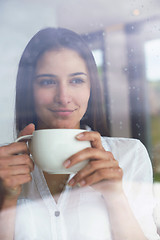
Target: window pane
{"points": [[152, 56]]}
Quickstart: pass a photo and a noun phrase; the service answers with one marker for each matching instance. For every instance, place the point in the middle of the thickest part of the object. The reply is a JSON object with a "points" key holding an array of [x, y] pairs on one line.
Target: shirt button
{"points": [[57, 213]]}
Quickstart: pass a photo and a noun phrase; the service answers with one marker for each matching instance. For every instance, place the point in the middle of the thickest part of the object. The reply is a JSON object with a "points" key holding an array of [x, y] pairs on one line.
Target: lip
{"points": [[62, 112]]}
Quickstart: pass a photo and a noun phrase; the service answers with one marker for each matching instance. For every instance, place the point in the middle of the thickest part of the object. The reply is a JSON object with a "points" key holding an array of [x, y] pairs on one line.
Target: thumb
{"points": [[29, 129]]}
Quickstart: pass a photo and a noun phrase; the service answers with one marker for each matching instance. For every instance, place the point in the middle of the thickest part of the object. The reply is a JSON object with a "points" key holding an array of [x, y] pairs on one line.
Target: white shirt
{"points": [[81, 214]]}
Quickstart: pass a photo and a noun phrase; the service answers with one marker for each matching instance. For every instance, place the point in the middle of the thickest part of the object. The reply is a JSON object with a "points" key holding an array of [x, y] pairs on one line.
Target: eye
{"points": [[47, 82], [77, 81]]}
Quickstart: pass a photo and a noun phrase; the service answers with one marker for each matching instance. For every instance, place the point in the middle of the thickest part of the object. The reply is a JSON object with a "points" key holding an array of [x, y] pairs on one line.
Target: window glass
{"points": [[152, 59]]}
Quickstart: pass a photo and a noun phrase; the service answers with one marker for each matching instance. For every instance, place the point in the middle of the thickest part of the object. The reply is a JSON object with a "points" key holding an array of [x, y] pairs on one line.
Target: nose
{"points": [[63, 95]]}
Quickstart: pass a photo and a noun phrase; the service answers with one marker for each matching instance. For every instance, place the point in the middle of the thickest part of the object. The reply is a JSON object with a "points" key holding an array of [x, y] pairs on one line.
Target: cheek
{"points": [[84, 99], [42, 98]]}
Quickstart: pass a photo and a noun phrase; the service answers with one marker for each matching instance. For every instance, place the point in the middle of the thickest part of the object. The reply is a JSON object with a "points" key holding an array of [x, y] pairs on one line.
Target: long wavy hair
{"points": [[55, 39]]}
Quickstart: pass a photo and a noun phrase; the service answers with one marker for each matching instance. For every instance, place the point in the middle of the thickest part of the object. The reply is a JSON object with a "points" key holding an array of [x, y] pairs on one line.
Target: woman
{"points": [[58, 87]]}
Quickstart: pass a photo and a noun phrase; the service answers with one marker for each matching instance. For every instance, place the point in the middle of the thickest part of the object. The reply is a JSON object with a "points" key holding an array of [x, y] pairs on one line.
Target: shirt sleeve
{"points": [[137, 182]]}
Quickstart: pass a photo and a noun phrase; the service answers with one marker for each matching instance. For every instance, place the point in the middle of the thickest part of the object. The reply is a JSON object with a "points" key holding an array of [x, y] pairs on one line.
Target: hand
{"points": [[16, 165], [102, 165]]}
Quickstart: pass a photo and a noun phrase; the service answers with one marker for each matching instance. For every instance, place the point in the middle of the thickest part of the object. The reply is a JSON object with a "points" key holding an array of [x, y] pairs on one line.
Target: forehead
{"points": [[62, 58], [60, 53]]}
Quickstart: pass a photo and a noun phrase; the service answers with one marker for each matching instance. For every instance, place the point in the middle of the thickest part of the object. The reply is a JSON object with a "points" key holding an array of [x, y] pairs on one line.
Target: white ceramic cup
{"points": [[51, 147]]}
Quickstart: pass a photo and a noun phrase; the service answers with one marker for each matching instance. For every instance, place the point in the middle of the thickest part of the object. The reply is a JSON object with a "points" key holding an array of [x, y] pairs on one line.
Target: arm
{"points": [[105, 175], [122, 221], [2, 193], [138, 187], [7, 218], [15, 168]]}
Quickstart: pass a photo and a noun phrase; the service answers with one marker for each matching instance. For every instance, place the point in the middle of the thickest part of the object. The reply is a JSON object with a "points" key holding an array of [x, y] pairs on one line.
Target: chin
{"points": [[65, 126]]}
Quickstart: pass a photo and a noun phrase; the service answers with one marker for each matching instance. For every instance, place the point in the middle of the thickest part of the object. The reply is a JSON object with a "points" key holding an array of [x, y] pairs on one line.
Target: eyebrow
{"points": [[45, 75], [52, 75], [77, 73]]}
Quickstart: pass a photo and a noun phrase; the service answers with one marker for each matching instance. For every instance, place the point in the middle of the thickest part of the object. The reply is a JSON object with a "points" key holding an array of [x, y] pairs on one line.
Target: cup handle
{"points": [[26, 137]]}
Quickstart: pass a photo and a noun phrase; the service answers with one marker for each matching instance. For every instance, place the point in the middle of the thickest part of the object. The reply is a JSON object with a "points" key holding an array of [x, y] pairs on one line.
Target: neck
{"points": [[56, 182]]}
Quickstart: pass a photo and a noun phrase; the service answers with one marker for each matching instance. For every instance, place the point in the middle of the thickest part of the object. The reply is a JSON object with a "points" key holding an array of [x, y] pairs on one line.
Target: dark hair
{"points": [[56, 38]]}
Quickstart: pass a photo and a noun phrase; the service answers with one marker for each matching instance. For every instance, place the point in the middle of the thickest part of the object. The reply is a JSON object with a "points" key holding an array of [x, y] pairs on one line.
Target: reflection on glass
{"points": [[98, 56], [152, 55]]}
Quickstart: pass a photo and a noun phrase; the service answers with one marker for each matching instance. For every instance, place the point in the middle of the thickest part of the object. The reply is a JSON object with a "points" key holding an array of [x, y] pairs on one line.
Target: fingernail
{"points": [[81, 183], [80, 135], [71, 182], [67, 163]]}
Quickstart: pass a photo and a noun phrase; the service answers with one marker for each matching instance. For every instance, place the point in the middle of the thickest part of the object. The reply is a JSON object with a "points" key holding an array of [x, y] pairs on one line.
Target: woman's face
{"points": [[61, 89]]}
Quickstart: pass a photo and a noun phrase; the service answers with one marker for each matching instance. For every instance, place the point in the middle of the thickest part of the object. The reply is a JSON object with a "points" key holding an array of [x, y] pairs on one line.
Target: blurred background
{"points": [[125, 39]]}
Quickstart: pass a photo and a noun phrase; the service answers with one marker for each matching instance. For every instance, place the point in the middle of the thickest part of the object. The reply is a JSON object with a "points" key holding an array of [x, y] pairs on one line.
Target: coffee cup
{"points": [[51, 147]]}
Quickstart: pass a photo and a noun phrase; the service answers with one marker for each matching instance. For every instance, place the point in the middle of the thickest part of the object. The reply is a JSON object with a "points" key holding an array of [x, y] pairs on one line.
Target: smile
{"points": [[62, 112]]}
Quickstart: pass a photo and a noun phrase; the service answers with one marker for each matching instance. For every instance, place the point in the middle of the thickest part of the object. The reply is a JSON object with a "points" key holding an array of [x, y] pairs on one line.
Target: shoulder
{"points": [[122, 144]]}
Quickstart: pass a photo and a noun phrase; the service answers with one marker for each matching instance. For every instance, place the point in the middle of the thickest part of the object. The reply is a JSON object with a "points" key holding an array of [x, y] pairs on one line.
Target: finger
{"points": [[93, 166], [27, 130], [88, 153], [20, 170], [14, 170], [14, 148], [102, 174], [18, 180], [16, 160], [93, 137]]}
